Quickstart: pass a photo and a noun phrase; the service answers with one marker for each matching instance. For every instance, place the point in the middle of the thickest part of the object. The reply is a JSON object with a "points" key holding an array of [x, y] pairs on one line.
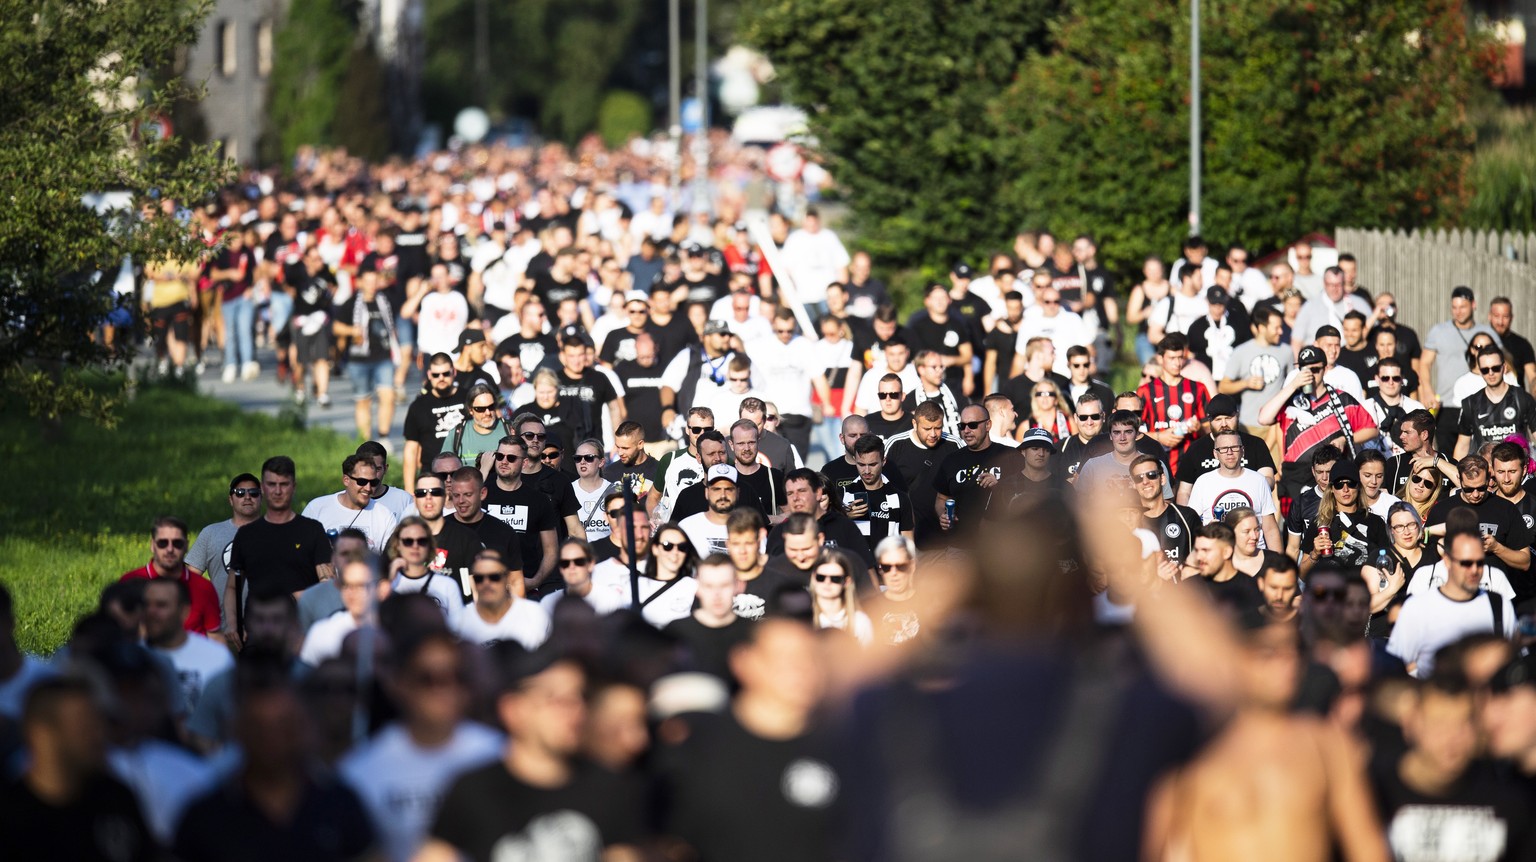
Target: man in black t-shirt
{"points": [[1302, 515], [878, 507], [542, 803], [1091, 440], [912, 461], [844, 472], [522, 507], [1212, 558], [1501, 314], [431, 418], [805, 492], [757, 781], [714, 629], [1175, 526], [1505, 534], [466, 494], [559, 284], [642, 388], [555, 484], [633, 468], [280, 552], [935, 328], [1496, 411], [620, 344], [585, 388], [531, 344], [968, 475]]}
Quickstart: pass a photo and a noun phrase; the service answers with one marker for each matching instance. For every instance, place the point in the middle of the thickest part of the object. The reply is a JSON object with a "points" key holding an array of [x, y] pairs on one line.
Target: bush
{"points": [[621, 116]]}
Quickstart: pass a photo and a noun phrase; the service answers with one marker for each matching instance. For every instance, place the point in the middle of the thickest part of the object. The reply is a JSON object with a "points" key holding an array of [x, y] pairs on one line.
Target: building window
{"points": [[227, 60], [264, 48]]}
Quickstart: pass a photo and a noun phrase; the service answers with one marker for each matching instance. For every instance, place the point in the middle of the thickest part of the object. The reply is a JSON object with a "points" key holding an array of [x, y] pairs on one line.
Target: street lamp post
{"points": [[1194, 117], [701, 88], [674, 94]]}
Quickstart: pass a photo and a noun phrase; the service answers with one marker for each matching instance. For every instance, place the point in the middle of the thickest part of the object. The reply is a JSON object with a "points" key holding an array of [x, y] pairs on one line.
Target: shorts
{"points": [[120, 317], [362, 373], [313, 348], [177, 318], [405, 332]]}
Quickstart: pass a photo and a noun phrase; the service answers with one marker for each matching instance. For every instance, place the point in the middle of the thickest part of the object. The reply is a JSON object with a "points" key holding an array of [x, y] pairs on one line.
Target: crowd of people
{"points": [[698, 549]]}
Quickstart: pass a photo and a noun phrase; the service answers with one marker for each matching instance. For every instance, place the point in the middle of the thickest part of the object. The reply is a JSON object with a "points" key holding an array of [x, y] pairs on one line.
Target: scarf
{"points": [[946, 400], [360, 323]]}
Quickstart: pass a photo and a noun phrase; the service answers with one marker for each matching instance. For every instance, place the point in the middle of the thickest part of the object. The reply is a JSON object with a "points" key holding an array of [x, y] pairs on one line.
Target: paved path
{"points": [[266, 395]]}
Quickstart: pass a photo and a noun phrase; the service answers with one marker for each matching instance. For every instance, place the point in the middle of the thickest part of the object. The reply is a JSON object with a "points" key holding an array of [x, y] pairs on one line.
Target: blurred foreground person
{"points": [[65, 805], [1272, 785]]}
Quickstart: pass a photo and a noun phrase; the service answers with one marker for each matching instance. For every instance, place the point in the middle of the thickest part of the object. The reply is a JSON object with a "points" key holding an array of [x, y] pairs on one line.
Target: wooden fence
{"points": [[1420, 269]]}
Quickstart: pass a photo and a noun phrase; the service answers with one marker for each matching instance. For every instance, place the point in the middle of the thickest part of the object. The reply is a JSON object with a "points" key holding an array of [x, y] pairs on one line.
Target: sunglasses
{"points": [[1422, 480], [569, 562], [503, 456], [1398, 378], [1481, 489], [699, 429], [413, 542], [835, 579], [481, 408], [1469, 564], [670, 546], [586, 459], [1090, 417], [771, 417], [972, 426], [439, 375], [1079, 365], [614, 513], [550, 456], [890, 396], [1492, 369], [1049, 302], [431, 492], [1148, 476], [366, 483], [245, 492], [1325, 594], [444, 476], [178, 544], [495, 579], [1345, 483], [532, 435], [1045, 395], [892, 567]]}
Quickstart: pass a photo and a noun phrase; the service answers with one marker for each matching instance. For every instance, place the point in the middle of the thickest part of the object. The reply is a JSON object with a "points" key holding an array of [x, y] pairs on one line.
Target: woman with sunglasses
{"points": [[485, 428], [1407, 555], [576, 559], [666, 565], [894, 612], [834, 596], [1344, 530], [1423, 491], [1048, 410], [590, 488], [415, 566]]}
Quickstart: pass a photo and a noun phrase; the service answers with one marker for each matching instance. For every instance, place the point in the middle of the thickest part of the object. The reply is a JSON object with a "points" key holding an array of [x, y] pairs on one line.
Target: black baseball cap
{"points": [[1221, 405], [1310, 355]]}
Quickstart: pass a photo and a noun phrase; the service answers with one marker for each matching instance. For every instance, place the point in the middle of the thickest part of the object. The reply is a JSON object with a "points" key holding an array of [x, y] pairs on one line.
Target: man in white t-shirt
{"points": [[1047, 319], [815, 258], [706, 530], [1233, 486], [196, 659], [787, 371], [498, 613], [354, 507], [401, 773], [325, 638], [1459, 607]]}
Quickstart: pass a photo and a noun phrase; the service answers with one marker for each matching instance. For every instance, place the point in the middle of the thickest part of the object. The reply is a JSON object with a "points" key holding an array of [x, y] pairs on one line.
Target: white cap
{"points": [[721, 471]]}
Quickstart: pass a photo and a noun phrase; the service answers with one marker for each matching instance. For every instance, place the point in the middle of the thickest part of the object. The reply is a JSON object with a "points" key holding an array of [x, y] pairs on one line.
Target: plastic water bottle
{"points": [[949, 512], [1383, 564]]}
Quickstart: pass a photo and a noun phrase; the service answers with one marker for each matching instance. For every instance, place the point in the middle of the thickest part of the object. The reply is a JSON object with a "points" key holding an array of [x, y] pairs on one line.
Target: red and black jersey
{"points": [[1164, 404], [1310, 421]]}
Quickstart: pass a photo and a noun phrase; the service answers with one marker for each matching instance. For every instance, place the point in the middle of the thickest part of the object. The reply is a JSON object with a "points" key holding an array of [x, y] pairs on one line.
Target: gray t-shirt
{"points": [[1252, 359], [210, 553], [1450, 346], [1104, 469]]}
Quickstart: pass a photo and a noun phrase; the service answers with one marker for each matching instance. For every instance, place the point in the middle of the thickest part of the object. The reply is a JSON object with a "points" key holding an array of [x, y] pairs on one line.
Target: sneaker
{"points": [[201, 367], [251, 372], [323, 400], [163, 367], [298, 396], [229, 374]]}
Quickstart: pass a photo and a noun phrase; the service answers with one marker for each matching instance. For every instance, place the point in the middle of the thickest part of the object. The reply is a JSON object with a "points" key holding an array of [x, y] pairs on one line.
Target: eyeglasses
{"points": [[1228, 450], [586, 459], [503, 456], [1422, 480], [1148, 476], [568, 562], [532, 435], [440, 374], [1345, 483], [893, 567], [482, 578], [178, 544], [834, 579], [1090, 417], [1335, 594], [1396, 378], [482, 408], [413, 542], [1409, 525], [1492, 369], [366, 483], [699, 429], [972, 426], [245, 492]]}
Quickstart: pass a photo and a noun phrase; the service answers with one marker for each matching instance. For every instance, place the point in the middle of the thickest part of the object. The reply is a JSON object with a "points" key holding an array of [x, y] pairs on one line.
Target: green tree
{"points": [[1314, 114], [309, 63], [361, 124], [621, 116], [76, 75], [898, 93]]}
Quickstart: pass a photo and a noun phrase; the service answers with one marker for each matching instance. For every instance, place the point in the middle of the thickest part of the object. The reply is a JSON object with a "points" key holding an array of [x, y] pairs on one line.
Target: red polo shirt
{"points": [[206, 615]]}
